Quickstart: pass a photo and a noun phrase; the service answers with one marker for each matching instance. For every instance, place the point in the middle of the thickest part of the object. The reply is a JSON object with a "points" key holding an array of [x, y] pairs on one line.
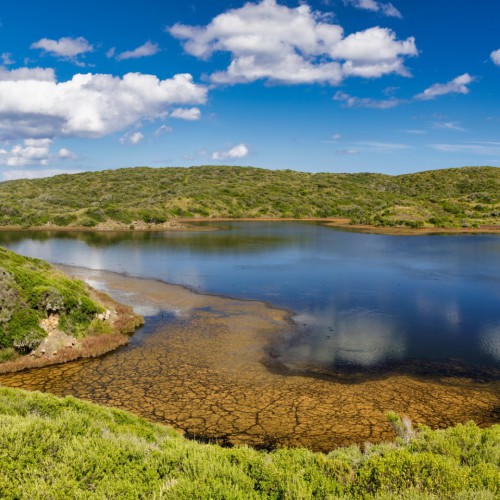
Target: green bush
{"points": [[61, 448], [31, 289], [7, 354], [64, 220], [24, 323], [402, 470], [47, 299]]}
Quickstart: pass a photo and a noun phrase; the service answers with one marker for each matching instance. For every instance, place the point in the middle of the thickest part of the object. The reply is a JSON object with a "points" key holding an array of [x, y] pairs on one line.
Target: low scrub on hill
{"points": [[460, 197], [64, 448], [31, 290]]}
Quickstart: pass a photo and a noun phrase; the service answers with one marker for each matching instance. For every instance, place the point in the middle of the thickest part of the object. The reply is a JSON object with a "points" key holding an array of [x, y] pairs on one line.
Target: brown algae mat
{"points": [[202, 370]]}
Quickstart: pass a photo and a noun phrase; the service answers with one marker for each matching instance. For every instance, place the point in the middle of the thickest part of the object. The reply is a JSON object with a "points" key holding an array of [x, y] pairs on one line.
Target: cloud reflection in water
{"points": [[355, 337]]}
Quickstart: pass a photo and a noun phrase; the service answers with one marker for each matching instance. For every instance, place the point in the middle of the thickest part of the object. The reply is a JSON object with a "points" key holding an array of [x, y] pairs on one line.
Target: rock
{"points": [[54, 342], [105, 315], [50, 323]]}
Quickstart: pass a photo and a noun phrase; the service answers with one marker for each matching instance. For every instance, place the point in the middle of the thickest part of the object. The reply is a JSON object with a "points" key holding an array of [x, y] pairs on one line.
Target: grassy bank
{"points": [[51, 317], [65, 448], [142, 197]]}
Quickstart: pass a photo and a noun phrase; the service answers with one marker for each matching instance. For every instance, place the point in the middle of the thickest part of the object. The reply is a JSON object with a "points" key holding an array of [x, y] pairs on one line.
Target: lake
{"points": [[286, 333], [359, 301]]}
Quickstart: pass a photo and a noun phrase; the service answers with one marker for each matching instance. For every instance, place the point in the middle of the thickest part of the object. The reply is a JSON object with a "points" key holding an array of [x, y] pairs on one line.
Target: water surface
{"points": [[359, 301], [200, 370]]}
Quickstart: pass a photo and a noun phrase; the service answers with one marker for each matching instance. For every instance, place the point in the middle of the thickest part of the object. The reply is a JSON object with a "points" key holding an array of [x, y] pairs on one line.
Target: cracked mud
{"points": [[200, 369]]}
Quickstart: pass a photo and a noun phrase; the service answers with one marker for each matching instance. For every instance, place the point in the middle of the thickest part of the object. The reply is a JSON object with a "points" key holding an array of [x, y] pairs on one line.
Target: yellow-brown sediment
{"points": [[203, 374]]}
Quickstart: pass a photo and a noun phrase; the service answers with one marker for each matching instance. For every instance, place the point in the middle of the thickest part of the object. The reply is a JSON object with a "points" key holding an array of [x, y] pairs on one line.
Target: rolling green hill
{"points": [[64, 448], [461, 197]]}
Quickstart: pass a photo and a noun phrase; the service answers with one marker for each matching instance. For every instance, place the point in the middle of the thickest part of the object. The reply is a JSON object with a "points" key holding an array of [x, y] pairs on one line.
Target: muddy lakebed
{"points": [[287, 334]]}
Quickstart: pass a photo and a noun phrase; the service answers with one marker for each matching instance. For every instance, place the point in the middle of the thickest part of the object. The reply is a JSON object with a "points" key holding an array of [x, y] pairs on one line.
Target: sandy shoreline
{"points": [[189, 224], [202, 369]]}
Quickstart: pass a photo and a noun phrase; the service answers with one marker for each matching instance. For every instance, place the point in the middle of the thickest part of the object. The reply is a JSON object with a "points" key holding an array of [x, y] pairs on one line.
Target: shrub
{"points": [[7, 354], [30, 341], [8, 296], [64, 220], [402, 470], [23, 323], [64, 448], [49, 300], [31, 289]]}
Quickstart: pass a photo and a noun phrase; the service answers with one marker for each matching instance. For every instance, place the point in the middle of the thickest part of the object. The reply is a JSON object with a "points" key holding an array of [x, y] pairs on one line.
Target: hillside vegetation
{"points": [[462, 197], [64, 448], [31, 290], [53, 317]]}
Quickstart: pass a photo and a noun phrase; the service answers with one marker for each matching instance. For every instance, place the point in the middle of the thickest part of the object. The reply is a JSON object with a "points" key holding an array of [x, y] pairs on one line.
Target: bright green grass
{"points": [[30, 289], [447, 198], [54, 448]]}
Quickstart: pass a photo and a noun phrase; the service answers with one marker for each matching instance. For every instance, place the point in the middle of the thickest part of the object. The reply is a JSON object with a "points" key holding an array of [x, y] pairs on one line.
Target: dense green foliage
{"points": [[64, 448], [31, 289], [453, 197]]}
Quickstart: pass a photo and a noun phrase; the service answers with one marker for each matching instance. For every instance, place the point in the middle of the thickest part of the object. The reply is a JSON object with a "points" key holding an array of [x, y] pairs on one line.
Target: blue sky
{"points": [[325, 85]]}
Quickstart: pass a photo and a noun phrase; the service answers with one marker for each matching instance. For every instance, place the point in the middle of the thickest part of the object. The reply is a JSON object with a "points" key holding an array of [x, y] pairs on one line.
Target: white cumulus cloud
{"points": [[373, 53], [66, 154], [145, 50], [7, 58], [132, 138], [90, 105], [31, 152], [286, 45], [40, 74], [495, 57], [66, 47], [190, 114], [163, 129], [456, 86], [386, 9], [239, 151]]}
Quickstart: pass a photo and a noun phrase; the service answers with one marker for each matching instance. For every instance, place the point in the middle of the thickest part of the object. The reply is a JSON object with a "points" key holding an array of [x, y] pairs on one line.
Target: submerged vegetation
{"points": [[66, 448], [460, 197]]}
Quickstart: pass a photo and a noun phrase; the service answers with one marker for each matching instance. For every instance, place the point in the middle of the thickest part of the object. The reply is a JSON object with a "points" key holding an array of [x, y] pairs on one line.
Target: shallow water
{"points": [[200, 365], [361, 302]]}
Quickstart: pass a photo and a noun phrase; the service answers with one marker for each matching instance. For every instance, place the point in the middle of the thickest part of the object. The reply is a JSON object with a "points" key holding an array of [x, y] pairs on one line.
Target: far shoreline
{"points": [[188, 224]]}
